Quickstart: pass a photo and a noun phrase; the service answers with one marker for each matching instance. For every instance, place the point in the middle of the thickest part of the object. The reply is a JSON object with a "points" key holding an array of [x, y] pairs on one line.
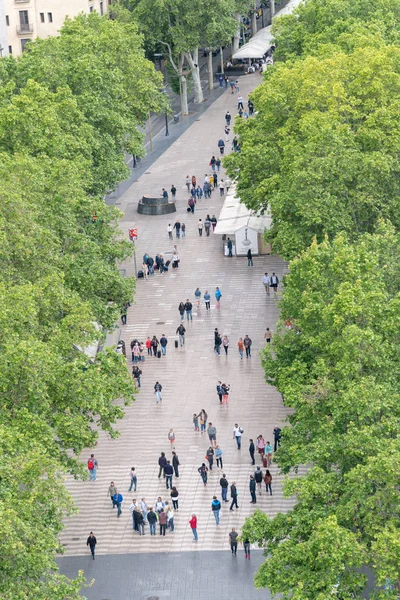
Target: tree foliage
{"points": [[69, 110], [338, 368]]}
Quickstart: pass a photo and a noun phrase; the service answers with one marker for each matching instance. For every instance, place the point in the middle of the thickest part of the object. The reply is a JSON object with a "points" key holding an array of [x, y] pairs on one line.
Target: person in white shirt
{"points": [[240, 102], [169, 229], [237, 434], [266, 282]]}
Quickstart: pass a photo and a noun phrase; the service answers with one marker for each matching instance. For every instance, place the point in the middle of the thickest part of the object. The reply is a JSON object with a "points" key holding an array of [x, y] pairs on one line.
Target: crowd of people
{"points": [[160, 514]]}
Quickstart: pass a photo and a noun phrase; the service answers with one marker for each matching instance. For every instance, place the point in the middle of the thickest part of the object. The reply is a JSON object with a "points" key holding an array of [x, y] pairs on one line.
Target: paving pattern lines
{"points": [[189, 374]]}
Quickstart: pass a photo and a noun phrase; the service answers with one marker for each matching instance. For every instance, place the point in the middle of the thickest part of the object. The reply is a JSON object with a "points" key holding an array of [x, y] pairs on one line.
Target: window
{"points": [[9, 49], [50, 17], [7, 20], [91, 9], [24, 42], [42, 17], [24, 20], [101, 9]]}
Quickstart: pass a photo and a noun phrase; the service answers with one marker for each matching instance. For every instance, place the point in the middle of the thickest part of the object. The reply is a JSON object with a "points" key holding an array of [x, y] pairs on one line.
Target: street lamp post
{"points": [[159, 56]]}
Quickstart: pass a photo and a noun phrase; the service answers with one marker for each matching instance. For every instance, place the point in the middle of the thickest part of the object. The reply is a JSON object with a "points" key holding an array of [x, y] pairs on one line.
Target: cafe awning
{"points": [[235, 215]]}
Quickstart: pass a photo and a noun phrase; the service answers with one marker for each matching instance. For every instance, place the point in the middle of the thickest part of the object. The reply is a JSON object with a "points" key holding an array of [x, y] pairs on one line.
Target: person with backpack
{"points": [[228, 118], [216, 507], [258, 477], [221, 146], [92, 466], [154, 345]]}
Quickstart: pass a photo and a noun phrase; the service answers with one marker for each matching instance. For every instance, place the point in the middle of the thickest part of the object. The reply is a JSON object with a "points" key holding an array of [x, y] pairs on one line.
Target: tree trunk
{"points": [[272, 5], [193, 62], [236, 37], [221, 52], [210, 70], [254, 19], [184, 99]]}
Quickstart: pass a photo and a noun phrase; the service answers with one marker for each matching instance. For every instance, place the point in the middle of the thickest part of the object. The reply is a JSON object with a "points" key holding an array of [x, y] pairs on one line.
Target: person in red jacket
{"points": [[193, 525]]}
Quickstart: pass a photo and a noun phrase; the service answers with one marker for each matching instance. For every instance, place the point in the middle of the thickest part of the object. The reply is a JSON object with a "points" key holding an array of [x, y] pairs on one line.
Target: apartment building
{"points": [[3, 30], [28, 19]]}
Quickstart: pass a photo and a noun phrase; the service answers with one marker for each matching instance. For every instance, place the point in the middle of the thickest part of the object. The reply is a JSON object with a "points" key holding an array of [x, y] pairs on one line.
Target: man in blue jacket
{"points": [[169, 471], [216, 507], [118, 500]]}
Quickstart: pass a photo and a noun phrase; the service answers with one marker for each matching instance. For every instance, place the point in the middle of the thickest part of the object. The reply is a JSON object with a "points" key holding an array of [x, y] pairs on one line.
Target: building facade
{"points": [[3, 30], [27, 19]]}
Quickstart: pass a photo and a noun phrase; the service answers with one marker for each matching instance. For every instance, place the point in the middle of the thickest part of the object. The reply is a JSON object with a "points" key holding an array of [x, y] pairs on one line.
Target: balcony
{"points": [[21, 1], [24, 28]]}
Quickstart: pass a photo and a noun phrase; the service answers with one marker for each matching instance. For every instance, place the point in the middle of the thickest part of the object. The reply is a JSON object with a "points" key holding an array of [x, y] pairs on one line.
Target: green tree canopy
{"points": [[321, 154]]}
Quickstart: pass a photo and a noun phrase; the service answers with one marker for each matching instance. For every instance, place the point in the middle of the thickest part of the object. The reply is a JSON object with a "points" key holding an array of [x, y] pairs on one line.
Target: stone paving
{"points": [[188, 375]]}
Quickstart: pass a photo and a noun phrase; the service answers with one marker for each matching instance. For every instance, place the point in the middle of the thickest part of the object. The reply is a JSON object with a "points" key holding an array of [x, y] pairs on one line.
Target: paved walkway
{"points": [[188, 375]]}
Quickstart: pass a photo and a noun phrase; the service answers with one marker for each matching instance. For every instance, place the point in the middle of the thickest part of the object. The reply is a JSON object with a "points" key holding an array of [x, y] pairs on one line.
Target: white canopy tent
{"points": [[235, 215], [262, 41]]}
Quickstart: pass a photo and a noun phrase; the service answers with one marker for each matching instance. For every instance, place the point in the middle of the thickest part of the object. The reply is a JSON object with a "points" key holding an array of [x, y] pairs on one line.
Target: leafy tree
{"points": [[337, 366], [102, 62], [325, 142]]}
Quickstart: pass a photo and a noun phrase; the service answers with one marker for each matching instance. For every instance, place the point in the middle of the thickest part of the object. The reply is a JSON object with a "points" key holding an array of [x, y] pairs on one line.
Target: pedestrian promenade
{"points": [[188, 375]]}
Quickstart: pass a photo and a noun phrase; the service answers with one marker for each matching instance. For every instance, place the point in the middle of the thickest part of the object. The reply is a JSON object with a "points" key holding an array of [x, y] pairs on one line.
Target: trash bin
{"points": [[176, 343], [176, 118]]}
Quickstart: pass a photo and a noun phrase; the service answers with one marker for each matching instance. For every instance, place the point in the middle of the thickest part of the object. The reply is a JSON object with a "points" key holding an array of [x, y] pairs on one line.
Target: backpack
{"points": [[90, 464]]}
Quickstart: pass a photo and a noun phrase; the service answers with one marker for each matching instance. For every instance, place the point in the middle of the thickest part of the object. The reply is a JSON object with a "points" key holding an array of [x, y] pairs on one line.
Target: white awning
{"points": [[262, 41], [235, 215]]}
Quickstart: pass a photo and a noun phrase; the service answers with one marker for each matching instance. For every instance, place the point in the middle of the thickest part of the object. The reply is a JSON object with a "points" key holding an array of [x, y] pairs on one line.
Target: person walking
{"points": [[175, 498], [152, 520], [266, 282], [162, 461], [133, 477], [173, 191], [187, 182], [210, 457], [213, 222], [228, 184], [92, 466], [207, 225], [162, 519], [212, 434], [181, 309], [139, 520], [216, 507], [249, 258], [268, 482], [274, 283], [223, 482], [144, 508], [260, 445], [203, 470], [196, 422], [234, 495], [246, 547], [171, 437], [247, 345], [199, 192], [258, 477], [145, 269], [252, 487], [203, 420], [91, 541], [218, 297], [111, 492], [181, 332], [149, 347], [268, 453], [219, 391], [163, 344], [221, 146], [188, 309], [251, 451], [228, 118], [237, 434], [233, 536], [240, 102], [225, 344], [175, 463], [218, 164], [225, 394], [191, 204], [212, 163], [222, 188], [132, 508], [240, 346], [183, 230], [217, 342], [227, 132], [170, 519], [200, 227], [230, 247], [197, 295], [169, 230], [118, 499], [268, 335], [207, 300], [193, 526], [215, 180], [154, 345], [277, 438], [136, 373], [168, 471], [160, 504], [135, 353], [218, 456], [157, 391]]}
